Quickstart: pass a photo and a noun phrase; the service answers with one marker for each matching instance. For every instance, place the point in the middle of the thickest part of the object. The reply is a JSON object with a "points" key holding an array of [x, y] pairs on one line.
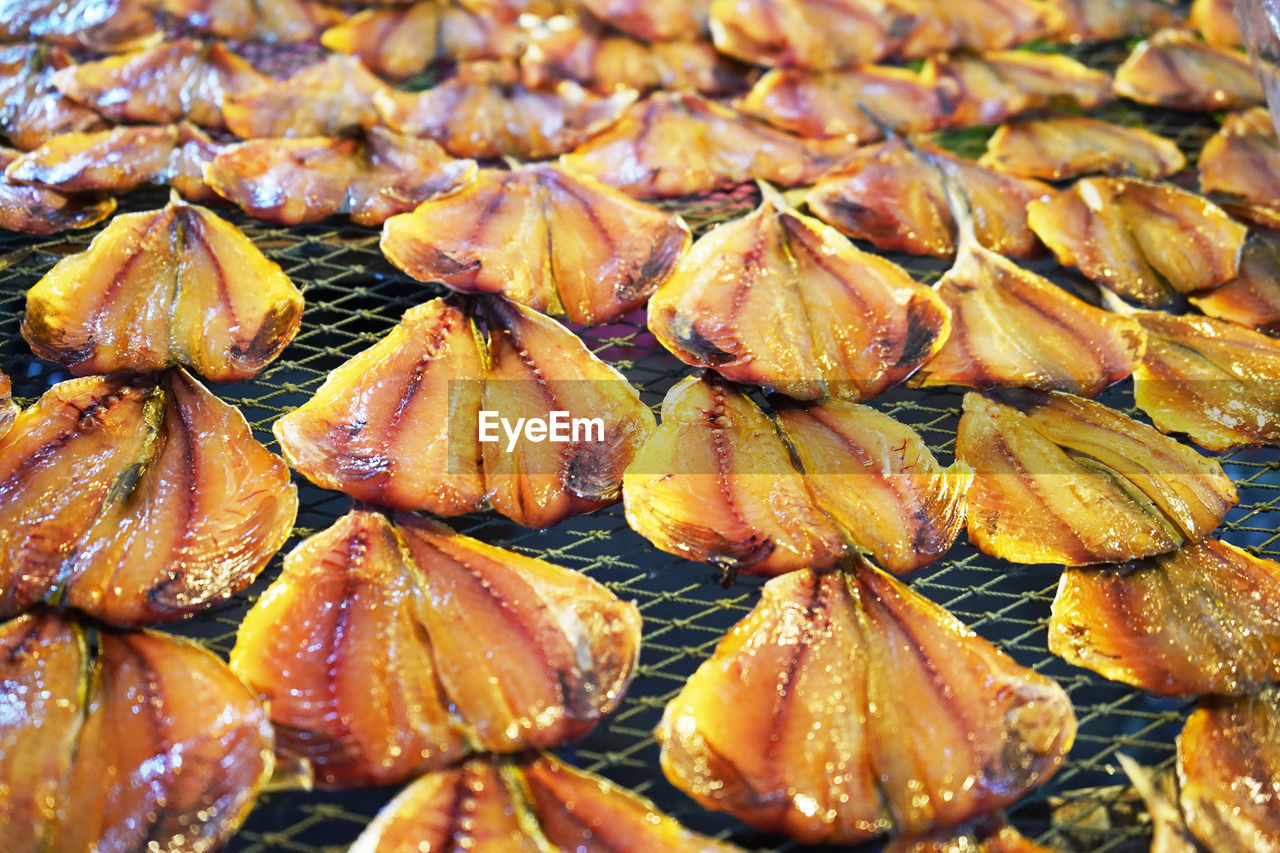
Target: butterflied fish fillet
{"points": [[400, 41], [846, 705], [95, 25], [367, 650], [715, 484], [510, 10], [374, 429], [1159, 792], [877, 481], [537, 367], [121, 159], [534, 803], [675, 144], [1062, 479], [1146, 242], [812, 34], [1242, 159], [987, 835], [891, 194], [324, 99], [1229, 772], [1215, 381], [1070, 146], [136, 501], [1010, 327], [32, 110], [653, 20], [978, 25], [177, 285], [988, 88], [1174, 69], [836, 103], [145, 742], [1110, 20], [778, 298], [271, 21], [605, 62], [542, 237], [160, 85], [1200, 620], [1216, 21], [369, 176], [1252, 298], [38, 210], [484, 111]]}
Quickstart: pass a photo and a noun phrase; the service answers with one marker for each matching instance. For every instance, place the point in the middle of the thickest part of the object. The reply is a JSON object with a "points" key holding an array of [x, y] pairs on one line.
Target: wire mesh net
{"points": [[354, 296]]}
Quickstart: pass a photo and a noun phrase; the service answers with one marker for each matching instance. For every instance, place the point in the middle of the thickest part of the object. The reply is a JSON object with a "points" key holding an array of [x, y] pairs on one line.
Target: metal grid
{"points": [[354, 296]]}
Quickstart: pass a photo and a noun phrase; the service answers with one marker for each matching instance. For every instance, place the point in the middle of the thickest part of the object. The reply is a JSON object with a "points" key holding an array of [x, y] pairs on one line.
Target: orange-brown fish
{"points": [[778, 298], [8, 408], [715, 484], [679, 143], [1252, 298], [37, 210], [1144, 241], [1111, 20], [891, 194], [1229, 772], [528, 804], [543, 237], [986, 835], [32, 110], [1215, 381], [1202, 619], [160, 85], [392, 647], [275, 22], [324, 99], [977, 25], [178, 285], [877, 480], [131, 741], [485, 111], [813, 34], [121, 159], [837, 103], [93, 25], [136, 500], [506, 10], [400, 41], [1216, 20], [1063, 479], [368, 176], [1070, 146], [653, 20], [1242, 160], [1174, 69], [987, 88], [846, 705]]}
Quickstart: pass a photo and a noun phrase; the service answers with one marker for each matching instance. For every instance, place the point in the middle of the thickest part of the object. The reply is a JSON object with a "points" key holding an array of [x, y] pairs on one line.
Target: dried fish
{"points": [[978, 25], [121, 159], [160, 85], [1252, 298], [837, 103], [1200, 620], [715, 484], [675, 144], [653, 20], [1216, 21], [813, 34], [1071, 146], [542, 237], [1228, 760], [8, 408], [324, 99], [37, 210], [32, 110], [989, 88], [1111, 20], [778, 298], [988, 835], [1242, 160], [877, 481], [98, 25], [172, 286], [400, 41], [273, 21], [100, 464], [1174, 69], [1146, 242], [148, 742], [891, 194], [923, 724], [370, 177], [484, 111], [365, 650], [1062, 479]]}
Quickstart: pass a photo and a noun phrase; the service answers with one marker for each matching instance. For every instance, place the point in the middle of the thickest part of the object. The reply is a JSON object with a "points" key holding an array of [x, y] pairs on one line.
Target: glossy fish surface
{"points": [[324, 99], [1174, 69], [37, 210], [1056, 148]]}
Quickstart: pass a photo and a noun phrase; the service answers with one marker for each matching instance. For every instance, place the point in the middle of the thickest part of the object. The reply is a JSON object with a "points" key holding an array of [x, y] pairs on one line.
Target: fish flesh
{"points": [[1071, 146], [1174, 69]]}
